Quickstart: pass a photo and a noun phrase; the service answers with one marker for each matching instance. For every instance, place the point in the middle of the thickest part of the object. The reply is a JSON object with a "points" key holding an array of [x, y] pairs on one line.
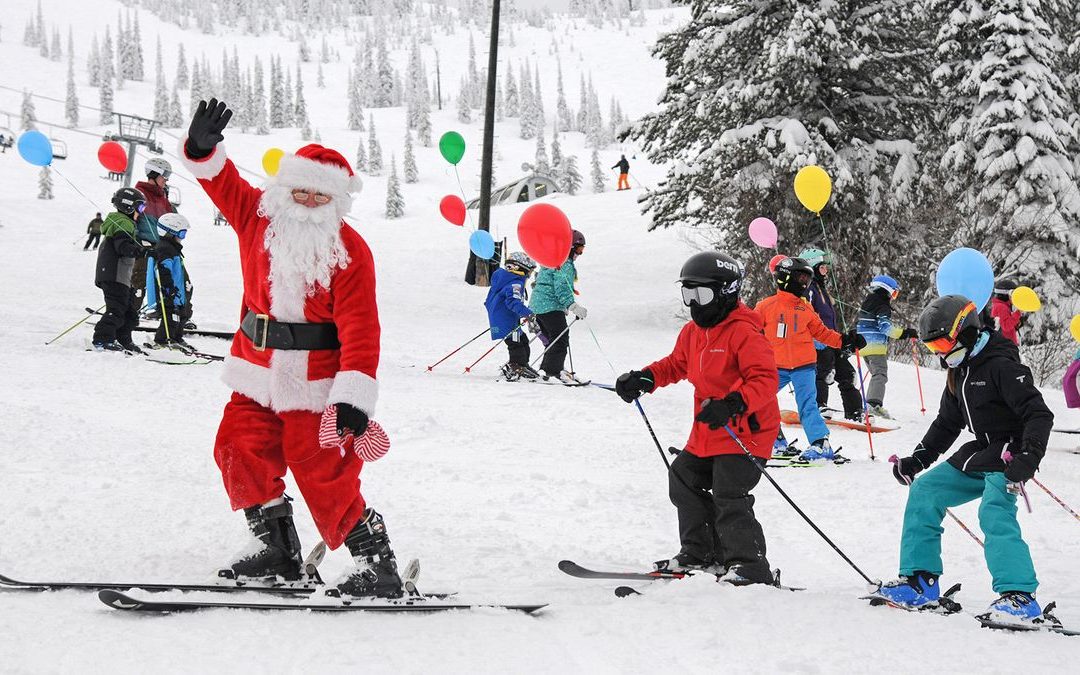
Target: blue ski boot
{"points": [[914, 592], [1014, 607]]}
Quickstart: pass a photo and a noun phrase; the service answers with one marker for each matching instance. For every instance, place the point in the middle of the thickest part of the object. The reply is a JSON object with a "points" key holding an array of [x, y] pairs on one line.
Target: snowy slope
{"points": [[108, 468]]}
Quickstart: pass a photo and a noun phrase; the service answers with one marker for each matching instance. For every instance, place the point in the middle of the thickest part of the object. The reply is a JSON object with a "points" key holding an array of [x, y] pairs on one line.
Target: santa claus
{"points": [[305, 356]]}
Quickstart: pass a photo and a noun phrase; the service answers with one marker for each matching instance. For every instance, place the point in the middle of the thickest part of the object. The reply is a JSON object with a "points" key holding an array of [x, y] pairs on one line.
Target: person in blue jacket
{"points": [[166, 266], [552, 299], [506, 309], [876, 325]]}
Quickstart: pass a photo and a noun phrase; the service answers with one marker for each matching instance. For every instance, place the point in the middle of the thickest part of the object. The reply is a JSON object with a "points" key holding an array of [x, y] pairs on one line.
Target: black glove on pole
{"points": [[851, 340], [209, 120], [630, 386]]}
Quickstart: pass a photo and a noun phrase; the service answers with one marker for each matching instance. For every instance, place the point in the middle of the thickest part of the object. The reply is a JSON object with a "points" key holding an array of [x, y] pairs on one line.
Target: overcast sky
{"points": [[554, 4]]}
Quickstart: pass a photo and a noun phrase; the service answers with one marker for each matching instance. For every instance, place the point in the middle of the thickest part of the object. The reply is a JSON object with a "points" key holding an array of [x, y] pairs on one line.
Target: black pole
{"points": [[489, 138]]}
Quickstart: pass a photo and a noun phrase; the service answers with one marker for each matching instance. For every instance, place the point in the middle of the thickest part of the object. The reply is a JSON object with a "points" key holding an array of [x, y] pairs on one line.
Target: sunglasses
{"points": [[303, 197], [701, 295]]}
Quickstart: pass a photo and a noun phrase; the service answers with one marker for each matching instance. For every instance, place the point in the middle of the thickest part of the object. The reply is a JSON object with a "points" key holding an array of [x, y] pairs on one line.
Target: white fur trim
{"points": [[357, 389], [205, 168], [307, 174], [281, 387]]}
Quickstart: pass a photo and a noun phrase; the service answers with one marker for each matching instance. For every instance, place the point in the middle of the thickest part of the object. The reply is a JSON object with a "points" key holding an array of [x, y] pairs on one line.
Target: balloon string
{"points": [[73, 187], [461, 189], [832, 272]]}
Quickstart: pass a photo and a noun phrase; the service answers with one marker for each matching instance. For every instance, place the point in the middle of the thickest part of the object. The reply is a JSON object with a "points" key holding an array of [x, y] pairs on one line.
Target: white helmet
{"points": [[174, 224], [159, 166]]}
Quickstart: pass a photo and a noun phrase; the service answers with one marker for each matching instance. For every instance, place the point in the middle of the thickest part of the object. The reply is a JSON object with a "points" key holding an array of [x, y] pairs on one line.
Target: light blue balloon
{"points": [[481, 243], [966, 272], [35, 148]]}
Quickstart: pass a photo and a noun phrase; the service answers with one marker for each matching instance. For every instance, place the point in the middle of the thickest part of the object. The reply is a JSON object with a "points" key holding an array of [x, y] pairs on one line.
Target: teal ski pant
{"points": [[1007, 556]]}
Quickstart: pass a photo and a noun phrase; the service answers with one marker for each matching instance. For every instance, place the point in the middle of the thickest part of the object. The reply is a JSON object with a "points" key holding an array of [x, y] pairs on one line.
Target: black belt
{"points": [[266, 333]]}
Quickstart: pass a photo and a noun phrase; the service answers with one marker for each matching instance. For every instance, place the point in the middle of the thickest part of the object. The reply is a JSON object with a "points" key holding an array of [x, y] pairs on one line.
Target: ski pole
{"points": [[570, 355], [894, 459], [652, 433], [161, 305], [1017, 487], [1055, 498], [468, 368], [481, 334], [552, 343], [918, 375], [795, 506], [865, 405], [75, 325]]}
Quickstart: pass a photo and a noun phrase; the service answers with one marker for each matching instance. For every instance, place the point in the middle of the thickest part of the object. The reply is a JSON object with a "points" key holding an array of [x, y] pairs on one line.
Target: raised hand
{"points": [[209, 120]]}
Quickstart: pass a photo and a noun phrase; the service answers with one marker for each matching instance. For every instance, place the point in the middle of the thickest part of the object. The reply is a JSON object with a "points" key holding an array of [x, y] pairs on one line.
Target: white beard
{"points": [[305, 248]]}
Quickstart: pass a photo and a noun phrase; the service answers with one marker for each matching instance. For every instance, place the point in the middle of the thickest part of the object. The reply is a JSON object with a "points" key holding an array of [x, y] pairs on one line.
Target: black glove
{"points": [[905, 470], [909, 333], [1022, 467], [351, 420], [851, 340], [631, 385], [206, 127], [717, 412]]}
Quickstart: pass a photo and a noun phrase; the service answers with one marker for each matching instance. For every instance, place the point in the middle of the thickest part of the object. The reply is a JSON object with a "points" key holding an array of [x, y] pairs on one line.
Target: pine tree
{"points": [[384, 93], [106, 70], [120, 67], [395, 202], [196, 87], [161, 88], [423, 119], [374, 149], [182, 79], [361, 157], [500, 103], [45, 183], [412, 174], [539, 119], [43, 43], [356, 111], [137, 70], [464, 112], [472, 85], [571, 176], [71, 102], [176, 110], [583, 108], [556, 170], [288, 106], [28, 116], [258, 98], [542, 164], [105, 100], [513, 104], [278, 118], [320, 82], [563, 120], [527, 117], [93, 63], [596, 172], [300, 108], [56, 52]]}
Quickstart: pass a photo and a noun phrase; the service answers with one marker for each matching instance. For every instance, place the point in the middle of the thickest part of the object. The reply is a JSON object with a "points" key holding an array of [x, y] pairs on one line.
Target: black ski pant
{"points": [[517, 343], [94, 238], [720, 526], [828, 361], [553, 324], [171, 327], [121, 313]]}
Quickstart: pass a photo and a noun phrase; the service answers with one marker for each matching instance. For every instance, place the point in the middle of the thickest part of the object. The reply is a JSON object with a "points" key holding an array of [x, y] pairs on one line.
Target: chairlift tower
{"points": [[135, 130]]}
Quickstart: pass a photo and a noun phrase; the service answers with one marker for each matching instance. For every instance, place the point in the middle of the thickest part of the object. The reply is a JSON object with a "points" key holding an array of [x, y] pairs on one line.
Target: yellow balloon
{"points": [[813, 187], [1074, 327], [1025, 299], [272, 160]]}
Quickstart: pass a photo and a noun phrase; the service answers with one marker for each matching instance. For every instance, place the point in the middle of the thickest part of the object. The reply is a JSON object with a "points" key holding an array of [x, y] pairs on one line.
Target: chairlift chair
{"points": [[7, 138], [59, 148]]}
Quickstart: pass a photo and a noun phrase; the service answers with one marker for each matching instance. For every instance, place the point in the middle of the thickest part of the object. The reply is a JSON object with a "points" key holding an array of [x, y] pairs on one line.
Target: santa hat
{"points": [[314, 167]]}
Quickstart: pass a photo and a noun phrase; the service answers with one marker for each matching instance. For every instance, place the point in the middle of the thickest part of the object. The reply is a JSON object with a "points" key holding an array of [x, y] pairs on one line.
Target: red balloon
{"points": [[113, 157], [545, 234], [775, 261], [453, 209]]}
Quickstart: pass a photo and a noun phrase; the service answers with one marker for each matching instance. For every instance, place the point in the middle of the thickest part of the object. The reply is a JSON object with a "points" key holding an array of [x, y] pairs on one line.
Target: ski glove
{"points": [[351, 420], [630, 386], [1021, 467], [577, 310], [851, 340], [370, 446], [209, 120], [904, 470], [533, 324], [909, 333], [717, 412]]}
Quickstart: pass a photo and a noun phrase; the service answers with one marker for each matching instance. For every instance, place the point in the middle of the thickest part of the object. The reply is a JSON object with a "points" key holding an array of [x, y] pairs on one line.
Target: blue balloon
{"points": [[481, 243], [36, 148], [966, 272]]}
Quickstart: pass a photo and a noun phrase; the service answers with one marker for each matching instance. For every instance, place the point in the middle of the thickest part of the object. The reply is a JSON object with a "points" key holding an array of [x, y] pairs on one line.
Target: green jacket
{"points": [[554, 289], [117, 222]]}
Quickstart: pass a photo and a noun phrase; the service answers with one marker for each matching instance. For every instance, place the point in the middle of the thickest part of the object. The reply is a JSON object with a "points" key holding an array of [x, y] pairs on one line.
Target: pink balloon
{"points": [[763, 232]]}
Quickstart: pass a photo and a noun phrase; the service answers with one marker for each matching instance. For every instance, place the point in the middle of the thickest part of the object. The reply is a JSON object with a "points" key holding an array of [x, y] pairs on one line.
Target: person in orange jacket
{"points": [[791, 326], [724, 355]]}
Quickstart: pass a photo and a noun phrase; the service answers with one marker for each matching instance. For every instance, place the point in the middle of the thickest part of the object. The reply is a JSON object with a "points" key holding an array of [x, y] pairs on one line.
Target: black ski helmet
{"points": [[953, 317], [127, 200], [1003, 288], [578, 240], [793, 275], [710, 268]]}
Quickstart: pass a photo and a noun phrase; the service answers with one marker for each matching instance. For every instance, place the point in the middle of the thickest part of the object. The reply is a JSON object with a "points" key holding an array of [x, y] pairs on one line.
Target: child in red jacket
{"points": [[726, 357]]}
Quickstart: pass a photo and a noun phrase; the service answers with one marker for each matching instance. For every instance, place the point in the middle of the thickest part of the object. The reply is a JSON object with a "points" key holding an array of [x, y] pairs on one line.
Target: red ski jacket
{"points": [[1008, 319], [732, 356]]}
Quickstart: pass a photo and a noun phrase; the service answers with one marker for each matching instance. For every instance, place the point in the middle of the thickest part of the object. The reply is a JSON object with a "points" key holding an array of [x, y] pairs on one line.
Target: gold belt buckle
{"points": [[260, 340]]}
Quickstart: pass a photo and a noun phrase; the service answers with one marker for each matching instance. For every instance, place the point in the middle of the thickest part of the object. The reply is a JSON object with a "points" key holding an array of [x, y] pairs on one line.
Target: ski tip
{"points": [[565, 565], [625, 592], [117, 600]]}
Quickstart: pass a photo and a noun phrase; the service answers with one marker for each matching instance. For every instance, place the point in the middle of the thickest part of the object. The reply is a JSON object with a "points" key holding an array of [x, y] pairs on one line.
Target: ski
{"points": [[945, 604], [7, 583], [1047, 623], [150, 347], [421, 603], [575, 570], [224, 335]]}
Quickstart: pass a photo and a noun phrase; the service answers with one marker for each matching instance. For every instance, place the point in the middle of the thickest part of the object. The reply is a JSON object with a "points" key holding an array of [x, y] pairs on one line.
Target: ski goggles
{"points": [[947, 342], [303, 197], [700, 295], [181, 234], [140, 207]]}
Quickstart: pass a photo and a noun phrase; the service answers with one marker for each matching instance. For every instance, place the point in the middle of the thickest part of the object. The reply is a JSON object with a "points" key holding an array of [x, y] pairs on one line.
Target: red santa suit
{"points": [[296, 272]]}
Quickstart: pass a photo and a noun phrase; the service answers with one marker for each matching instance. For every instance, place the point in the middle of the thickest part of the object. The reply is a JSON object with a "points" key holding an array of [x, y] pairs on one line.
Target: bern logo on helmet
{"points": [[725, 265]]}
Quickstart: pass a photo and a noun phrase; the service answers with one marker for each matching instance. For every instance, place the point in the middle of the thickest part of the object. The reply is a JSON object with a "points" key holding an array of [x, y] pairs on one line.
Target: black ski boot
{"points": [[280, 555], [376, 573]]}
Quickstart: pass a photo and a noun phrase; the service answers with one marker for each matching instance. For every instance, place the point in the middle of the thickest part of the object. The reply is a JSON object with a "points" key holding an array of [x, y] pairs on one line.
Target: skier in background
{"points": [[832, 364], [1007, 319], [116, 258], [623, 165], [875, 325], [506, 309], [992, 394], [722, 352], [552, 299], [166, 268], [156, 190], [93, 230]]}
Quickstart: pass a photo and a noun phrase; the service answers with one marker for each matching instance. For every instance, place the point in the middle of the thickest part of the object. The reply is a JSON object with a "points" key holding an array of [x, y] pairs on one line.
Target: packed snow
{"points": [[109, 473]]}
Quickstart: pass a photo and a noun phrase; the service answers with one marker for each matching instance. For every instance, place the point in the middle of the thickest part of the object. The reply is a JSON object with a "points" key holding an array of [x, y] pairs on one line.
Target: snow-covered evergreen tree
{"points": [[176, 110], [556, 169], [278, 117], [384, 93], [137, 61], [581, 119], [356, 110], [513, 103], [412, 174], [196, 87], [45, 183], [258, 98], [563, 119], [375, 164], [71, 101], [395, 201], [289, 108], [527, 118], [27, 116], [464, 111], [161, 88], [300, 108], [182, 78], [539, 118], [93, 63], [361, 156], [106, 69], [500, 102], [571, 176], [423, 118], [596, 171], [56, 52], [542, 164], [320, 81]]}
